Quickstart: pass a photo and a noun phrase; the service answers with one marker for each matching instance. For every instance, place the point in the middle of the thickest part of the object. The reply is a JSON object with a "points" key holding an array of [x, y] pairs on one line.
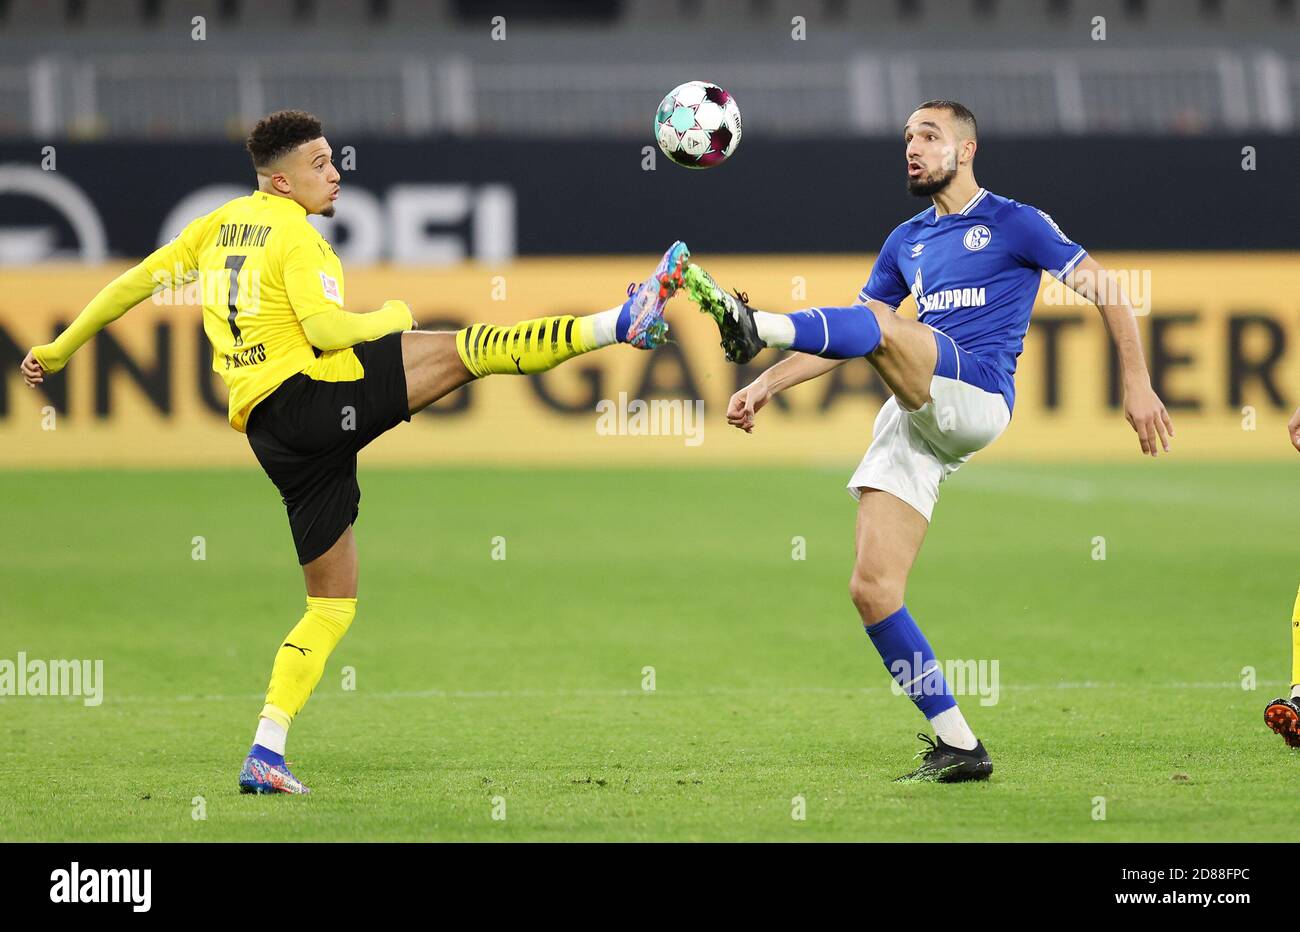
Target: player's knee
{"points": [[886, 320], [874, 593]]}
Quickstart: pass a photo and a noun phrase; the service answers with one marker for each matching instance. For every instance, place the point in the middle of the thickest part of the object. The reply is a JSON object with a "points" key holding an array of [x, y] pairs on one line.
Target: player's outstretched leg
{"points": [[831, 332], [439, 363], [537, 345]]}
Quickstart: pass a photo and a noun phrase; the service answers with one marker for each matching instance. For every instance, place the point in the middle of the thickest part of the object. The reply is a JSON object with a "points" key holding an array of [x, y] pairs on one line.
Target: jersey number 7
{"points": [[234, 263]]}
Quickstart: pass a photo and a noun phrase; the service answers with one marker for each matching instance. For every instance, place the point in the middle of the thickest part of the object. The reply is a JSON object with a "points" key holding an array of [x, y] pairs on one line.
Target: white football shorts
{"points": [[912, 452]]}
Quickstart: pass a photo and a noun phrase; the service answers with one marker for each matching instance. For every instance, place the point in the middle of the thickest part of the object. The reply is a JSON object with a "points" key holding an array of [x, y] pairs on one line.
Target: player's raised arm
{"points": [[1142, 407], [314, 285], [166, 267], [795, 368]]}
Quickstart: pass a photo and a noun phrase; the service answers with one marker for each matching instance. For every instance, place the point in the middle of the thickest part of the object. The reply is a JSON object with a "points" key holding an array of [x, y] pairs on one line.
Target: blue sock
{"points": [[270, 757], [835, 332], [911, 662], [624, 322]]}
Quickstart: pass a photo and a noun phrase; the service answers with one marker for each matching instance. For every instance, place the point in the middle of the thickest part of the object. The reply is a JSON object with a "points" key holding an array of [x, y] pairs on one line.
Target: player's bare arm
{"points": [[793, 370], [1293, 429], [1142, 407]]}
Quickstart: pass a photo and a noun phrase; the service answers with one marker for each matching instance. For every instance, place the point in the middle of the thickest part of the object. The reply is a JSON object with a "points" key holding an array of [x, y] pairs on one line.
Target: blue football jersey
{"points": [[974, 275]]}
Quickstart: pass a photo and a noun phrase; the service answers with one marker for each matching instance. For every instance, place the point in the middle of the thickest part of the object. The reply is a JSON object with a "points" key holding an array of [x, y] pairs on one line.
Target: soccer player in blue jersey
{"points": [[973, 261]]}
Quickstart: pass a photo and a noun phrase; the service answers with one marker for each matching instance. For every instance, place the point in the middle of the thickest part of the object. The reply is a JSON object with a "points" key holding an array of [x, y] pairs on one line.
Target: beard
{"points": [[928, 186], [328, 211]]}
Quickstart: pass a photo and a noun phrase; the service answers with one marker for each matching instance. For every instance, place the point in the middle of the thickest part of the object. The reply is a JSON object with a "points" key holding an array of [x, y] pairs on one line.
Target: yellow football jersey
{"points": [[261, 269]]}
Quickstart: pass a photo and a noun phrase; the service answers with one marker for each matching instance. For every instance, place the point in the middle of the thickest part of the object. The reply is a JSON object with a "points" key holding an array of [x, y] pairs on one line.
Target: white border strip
{"points": [[1071, 264], [970, 205]]}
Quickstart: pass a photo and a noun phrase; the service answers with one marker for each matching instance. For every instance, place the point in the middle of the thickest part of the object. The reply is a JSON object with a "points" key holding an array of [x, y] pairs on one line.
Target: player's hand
{"points": [[33, 374], [1293, 429], [745, 403], [1146, 413]]}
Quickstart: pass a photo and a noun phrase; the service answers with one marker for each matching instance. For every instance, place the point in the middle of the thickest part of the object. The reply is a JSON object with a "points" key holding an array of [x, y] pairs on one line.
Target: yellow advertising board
{"points": [[1220, 331]]}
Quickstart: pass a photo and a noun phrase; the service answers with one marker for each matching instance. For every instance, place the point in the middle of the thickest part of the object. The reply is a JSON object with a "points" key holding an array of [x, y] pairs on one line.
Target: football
{"points": [[698, 125]]}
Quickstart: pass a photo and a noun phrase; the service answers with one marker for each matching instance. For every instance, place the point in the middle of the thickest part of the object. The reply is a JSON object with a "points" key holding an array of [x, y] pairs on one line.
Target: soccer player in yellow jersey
{"points": [[1283, 714], [311, 383]]}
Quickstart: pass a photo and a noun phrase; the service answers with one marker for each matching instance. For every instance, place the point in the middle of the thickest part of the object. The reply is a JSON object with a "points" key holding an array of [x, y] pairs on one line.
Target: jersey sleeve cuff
{"points": [[864, 297], [1065, 270], [43, 354]]}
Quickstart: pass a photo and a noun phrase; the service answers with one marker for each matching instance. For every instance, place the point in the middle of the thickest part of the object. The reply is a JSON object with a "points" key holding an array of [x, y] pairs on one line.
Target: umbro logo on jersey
{"points": [[916, 250], [977, 238]]}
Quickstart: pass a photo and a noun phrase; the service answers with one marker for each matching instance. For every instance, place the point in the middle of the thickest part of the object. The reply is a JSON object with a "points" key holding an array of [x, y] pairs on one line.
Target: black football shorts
{"points": [[307, 433]]}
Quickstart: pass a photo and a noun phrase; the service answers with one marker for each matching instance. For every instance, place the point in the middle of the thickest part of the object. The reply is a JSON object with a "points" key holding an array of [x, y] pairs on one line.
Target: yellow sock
{"points": [[529, 346], [301, 659], [1295, 645]]}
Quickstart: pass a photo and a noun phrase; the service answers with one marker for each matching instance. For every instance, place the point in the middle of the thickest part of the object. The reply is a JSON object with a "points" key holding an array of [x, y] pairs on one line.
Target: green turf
{"points": [[522, 678]]}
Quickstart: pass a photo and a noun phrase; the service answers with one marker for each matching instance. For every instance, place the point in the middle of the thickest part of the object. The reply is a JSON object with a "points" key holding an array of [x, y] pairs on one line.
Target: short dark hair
{"points": [[279, 133], [960, 112]]}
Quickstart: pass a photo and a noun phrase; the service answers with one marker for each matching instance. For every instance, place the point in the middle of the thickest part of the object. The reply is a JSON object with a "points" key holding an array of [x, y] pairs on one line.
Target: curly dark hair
{"points": [[279, 133], [961, 113]]}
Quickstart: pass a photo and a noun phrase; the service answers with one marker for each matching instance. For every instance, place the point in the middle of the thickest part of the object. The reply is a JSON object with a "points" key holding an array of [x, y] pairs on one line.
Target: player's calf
{"points": [[903, 351], [437, 364], [543, 343], [907, 655]]}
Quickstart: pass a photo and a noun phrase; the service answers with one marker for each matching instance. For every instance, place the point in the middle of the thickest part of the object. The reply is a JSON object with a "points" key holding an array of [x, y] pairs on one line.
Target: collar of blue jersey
{"points": [[969, 208], [286, 203]]}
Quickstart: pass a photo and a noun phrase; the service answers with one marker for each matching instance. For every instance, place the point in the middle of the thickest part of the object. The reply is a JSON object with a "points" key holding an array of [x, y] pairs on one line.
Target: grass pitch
{"points": [[515, 687]]}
